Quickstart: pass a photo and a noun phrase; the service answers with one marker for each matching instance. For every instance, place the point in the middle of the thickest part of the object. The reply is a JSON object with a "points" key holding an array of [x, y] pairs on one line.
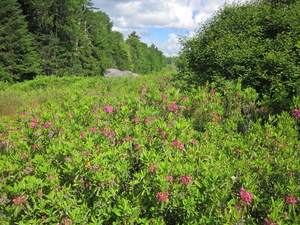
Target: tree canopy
{"points": [[254, 43], [70, 37]]}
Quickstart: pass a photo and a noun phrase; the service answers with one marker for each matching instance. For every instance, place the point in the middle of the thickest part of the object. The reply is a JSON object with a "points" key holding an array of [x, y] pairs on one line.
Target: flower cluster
{"points": [[296, 113], [48, 124], [177, 143], [290, 199], [173, 107], [163, 196], [108, 109], [245, 196], [186, 179], [19, 200], [33, 122], [152, 169]]}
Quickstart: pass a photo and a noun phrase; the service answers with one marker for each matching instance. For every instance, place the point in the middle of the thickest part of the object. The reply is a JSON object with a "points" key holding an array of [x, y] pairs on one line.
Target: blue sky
{"points": [[159, 21]]}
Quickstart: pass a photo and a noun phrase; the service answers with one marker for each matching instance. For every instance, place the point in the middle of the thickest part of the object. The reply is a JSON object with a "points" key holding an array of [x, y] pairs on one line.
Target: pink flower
{"points": [[152, 169], [290, 199], [163, 196], [186, 179], [82, 135], [108, 109], [296, 113], [170, 178], [246, 196], [32, 125], [179, 144], [19, 201], [173, 107], [34, 120], [52, 176], [92, 129], [166, 78], [268, 222], [219, 118], [148, 120], [163, 96], [68, 221], [135, 119], [185, 99], [48, 124]]}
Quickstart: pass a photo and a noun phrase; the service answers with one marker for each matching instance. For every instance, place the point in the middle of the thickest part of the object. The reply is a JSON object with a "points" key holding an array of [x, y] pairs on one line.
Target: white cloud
{"points": [[138, 15]]}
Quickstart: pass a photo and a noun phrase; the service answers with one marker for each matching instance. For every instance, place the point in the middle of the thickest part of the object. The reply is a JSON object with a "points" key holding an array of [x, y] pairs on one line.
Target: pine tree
{"points": [[18, 58]]}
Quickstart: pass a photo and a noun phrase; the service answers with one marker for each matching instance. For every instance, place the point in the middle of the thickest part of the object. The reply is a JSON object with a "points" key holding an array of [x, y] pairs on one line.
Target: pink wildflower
{"points": [[246, 196], [296, 113], [52, 176], [186, 179], [34, 120], [163, 96], [152, 169], [290, 199], [92, 129], [170, 178], [185, 99], [82, 135], [163, 196], [135, 119], [179, 144], [48, 124], [148, 120], [68, 221], [19, 201], [268, 222], [108, 109], [173, 107], [219, 118]]}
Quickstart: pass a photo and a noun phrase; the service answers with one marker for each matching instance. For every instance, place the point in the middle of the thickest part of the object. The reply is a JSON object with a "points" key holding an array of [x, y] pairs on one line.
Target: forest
{"points": [[63, 38]]}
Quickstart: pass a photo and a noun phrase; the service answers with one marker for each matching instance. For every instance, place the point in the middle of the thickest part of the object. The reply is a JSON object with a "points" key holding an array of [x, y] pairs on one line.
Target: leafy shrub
{"points": [[139, 151], [254, 43]]}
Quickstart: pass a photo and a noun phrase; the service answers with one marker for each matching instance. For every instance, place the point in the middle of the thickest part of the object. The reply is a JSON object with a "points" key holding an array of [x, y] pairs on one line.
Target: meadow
{"points": [[141, 151]]}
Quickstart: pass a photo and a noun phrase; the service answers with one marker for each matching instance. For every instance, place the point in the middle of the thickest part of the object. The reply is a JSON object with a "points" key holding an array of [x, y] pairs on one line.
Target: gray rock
{"points": [[119, 73]]}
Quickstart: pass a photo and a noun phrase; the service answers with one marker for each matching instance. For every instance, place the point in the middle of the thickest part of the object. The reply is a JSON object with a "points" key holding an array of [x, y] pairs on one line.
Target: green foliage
{"points": [[140, 151], [18, 59], [72, 38], [251, 42]]}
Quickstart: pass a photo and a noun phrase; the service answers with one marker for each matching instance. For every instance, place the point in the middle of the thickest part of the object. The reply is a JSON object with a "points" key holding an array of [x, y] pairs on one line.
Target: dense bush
{"points": [[255, 43], [139, 151]]}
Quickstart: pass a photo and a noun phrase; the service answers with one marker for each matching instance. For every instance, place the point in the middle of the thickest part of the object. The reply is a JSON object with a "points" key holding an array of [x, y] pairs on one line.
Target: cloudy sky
{"points": [[159, 21]]}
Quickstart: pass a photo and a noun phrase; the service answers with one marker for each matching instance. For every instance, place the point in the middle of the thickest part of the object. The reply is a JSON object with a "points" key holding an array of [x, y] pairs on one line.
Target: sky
{"points": [[160, 22]]}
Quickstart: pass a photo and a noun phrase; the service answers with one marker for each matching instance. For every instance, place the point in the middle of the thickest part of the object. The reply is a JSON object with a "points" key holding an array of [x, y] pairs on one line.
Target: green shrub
{"points": [[254, 43]]}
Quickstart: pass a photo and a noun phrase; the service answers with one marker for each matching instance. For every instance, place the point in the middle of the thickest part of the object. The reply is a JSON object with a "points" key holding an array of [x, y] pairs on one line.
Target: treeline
{"points": [[255, 43], [69, 37]]}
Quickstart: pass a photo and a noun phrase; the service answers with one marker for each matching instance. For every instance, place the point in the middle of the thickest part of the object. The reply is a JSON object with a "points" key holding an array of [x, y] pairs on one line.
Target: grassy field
{"points": [[140, 151]]}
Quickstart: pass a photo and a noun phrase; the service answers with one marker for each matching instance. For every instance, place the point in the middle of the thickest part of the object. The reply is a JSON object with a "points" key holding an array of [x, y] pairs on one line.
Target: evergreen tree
{"points": [[18, 58]]}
